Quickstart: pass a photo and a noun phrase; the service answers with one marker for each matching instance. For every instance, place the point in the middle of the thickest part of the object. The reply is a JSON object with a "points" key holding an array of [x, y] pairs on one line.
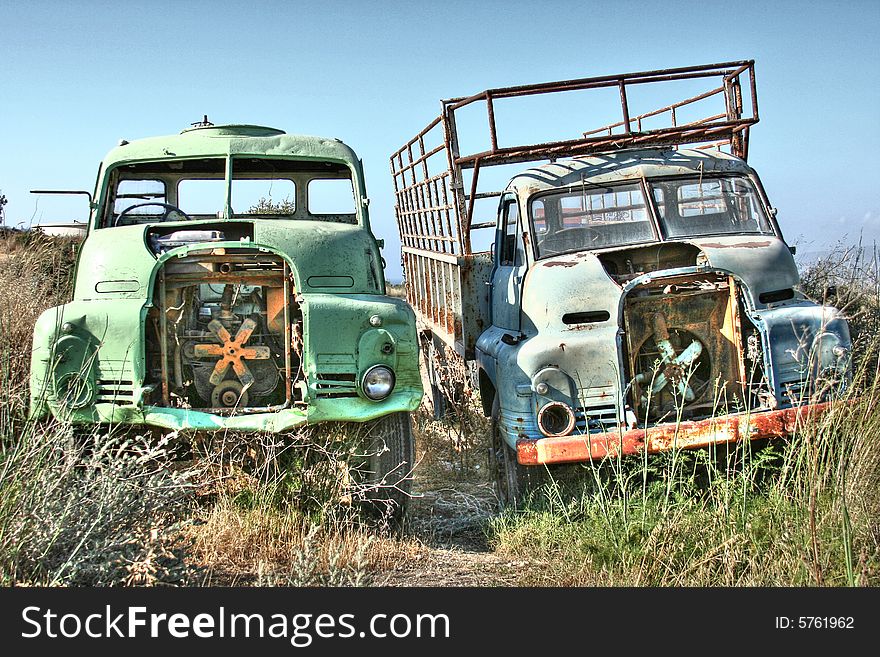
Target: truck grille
{"points": [[112, 391], [596, 419], [335, 385]]}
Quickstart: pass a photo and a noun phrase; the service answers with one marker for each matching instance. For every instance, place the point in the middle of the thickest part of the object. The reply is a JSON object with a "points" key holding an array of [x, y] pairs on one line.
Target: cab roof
{"points": [[231, 139], [634, 164]]}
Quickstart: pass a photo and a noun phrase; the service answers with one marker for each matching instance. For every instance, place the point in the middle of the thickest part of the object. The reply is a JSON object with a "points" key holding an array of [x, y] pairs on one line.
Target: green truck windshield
{"points": [[594, 217], [179, 190]]}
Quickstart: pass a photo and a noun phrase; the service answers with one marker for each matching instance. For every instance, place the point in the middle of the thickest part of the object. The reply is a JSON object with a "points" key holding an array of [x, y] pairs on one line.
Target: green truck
{"points": [[229, 280]]}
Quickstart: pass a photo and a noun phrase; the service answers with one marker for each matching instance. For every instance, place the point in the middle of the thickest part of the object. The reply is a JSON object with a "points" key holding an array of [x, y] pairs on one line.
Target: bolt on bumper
{"points": [[664, 437]]}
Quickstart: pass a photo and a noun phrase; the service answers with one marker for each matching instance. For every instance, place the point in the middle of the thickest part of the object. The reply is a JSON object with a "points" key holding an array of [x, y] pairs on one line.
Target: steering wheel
{"points": [[170, 210]]}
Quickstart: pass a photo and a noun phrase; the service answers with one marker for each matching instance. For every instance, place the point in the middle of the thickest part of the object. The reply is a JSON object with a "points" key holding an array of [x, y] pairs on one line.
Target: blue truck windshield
{"points": [[594, 217]]}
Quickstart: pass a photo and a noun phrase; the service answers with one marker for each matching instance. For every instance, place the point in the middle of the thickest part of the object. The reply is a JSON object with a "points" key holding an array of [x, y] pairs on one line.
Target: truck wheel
{"points": [[386, 476], [439, 402], [432, 356], [513, 482]]}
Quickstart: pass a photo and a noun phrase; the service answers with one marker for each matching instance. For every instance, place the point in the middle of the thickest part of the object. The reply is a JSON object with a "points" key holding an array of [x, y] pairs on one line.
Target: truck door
{"points": [[510, 266]]}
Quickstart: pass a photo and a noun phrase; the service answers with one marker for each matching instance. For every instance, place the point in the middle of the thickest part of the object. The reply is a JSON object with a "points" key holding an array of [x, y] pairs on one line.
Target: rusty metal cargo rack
{"points": [[435, 214]]}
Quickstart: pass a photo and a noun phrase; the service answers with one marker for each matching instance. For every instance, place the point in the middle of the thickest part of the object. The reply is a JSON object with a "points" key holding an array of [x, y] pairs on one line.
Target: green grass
{"points": [[805, 511]]}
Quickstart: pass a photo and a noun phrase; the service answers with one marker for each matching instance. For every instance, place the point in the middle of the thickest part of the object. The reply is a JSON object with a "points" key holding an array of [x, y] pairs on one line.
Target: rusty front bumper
{"points": [[663, 437]]}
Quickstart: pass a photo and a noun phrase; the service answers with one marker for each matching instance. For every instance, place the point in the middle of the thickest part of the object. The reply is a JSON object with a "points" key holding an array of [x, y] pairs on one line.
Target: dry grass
{"points": [[263, 544], [277, 510], [126, 509]]}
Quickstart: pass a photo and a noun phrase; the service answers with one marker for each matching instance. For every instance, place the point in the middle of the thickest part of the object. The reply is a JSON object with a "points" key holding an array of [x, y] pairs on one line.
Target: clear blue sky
{"points": [[75, 77]]}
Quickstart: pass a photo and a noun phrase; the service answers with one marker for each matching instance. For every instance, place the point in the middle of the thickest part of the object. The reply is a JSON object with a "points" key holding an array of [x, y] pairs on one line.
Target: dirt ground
{"points": [[453, 499]]}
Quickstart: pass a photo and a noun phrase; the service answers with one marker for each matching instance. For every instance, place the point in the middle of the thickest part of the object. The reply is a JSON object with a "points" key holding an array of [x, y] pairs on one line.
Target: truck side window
{"points": [[508, 240]]}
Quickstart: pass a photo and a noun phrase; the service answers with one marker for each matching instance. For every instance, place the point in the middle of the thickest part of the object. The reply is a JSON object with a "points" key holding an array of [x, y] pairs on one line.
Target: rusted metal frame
{"points": [[412, 222], [434, 178], [247, 258], [490, 110], [408, 186], [430, 285], [691, 133], [245, 278], [440, 291], [444, 257], [624, 106], [646, 77], [288, 337], [668, 108], [163, 339], [449, 207], [401, 211], [737, 139], [437, 213], [753, 89], [736, 328], [712, 70], [436, 217], [435, 290], [422, 159], [417, 235], [739, 71], [404, 221], [704, 121], [397, 209], [664, 437], [423, 132], [443, 238], [480, 195], [591, 145], [428, 207], [424, 213], [456, 181], [466, 237], [421, 288], [484, 224], [420, 226]]}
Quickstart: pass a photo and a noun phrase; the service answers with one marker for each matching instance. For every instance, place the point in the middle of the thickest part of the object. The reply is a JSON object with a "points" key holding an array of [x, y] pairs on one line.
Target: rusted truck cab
{"points": [[637, 295], [229, 280], [646, 299]]}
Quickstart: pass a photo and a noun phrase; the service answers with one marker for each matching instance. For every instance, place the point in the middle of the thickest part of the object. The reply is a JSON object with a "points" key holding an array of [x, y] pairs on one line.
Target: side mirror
{"points": [[792, 250]]}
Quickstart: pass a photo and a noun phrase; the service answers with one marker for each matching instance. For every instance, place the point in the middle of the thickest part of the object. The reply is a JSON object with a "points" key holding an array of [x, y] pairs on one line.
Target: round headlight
{"points": [[73, 390], [556, 419], [378, 382]]}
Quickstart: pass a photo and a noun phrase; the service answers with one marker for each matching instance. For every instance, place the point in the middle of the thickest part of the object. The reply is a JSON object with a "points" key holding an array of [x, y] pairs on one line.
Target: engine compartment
{"points": [[691, 350], [224, 333]]}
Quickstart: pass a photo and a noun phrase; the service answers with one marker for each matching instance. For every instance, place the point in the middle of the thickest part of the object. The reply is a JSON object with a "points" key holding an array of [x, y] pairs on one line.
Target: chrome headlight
{"points": [[377, 382]]}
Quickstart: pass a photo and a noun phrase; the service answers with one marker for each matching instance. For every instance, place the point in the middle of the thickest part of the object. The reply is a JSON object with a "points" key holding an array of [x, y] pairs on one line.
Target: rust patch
{"points": [[275, 309], [660, 438], [560, 263], [527, 451], [743, 245]]}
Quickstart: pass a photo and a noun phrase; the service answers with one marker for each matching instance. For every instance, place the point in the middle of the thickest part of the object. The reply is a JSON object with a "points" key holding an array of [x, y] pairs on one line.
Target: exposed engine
{"points": [[216, 334], [686, 348]]}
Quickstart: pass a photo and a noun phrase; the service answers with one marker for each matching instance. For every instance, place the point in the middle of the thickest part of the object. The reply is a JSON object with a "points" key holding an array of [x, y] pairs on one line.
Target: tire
{"points": [[514, 483], [440, 403], [386, 478]]}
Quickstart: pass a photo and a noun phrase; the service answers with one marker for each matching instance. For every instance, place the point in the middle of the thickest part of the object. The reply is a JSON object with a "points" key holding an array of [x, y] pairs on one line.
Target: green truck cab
{"points": [[229, 280]]}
